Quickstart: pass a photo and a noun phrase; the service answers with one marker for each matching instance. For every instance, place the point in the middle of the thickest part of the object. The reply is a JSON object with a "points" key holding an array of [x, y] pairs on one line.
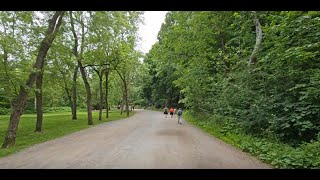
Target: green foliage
{"points": [[4, 111], [269, 150], [102, 37], [56, 109], [201, 60], [105, 34]]}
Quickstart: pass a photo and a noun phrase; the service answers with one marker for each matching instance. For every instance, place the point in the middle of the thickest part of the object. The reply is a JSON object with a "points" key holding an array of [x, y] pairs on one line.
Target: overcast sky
{"points": [[149, 31]]}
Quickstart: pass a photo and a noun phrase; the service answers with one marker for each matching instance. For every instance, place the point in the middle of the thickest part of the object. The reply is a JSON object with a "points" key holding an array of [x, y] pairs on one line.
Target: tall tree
{"points": [[65, 68], [39, 80], [79, 56], [100, 75], [74, 93], [14, 53], [20, 101]]}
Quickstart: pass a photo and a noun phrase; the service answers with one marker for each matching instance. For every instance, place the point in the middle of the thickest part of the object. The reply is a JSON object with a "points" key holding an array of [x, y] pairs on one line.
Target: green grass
{"points": [[270, 151], [55, 124]]}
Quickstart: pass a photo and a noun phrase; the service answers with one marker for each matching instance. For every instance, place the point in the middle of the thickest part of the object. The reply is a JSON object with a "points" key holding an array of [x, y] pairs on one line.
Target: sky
{"points": [[149, 30]]}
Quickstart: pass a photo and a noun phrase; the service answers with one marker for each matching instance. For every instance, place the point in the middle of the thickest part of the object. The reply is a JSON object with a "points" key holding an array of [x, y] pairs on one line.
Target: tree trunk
{"points": [[39, 102], [67, 90], [121, 108], [101, 97], [88, 90], [82, 71], [126, 98], [100, 74], [253, 57], [125, 92], [69, 95], [21, 100], [107, 104], [74, 93]]}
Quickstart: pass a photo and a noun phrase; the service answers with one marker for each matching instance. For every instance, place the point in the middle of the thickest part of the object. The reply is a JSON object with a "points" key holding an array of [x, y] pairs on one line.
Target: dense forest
{"points": [[253, 77], [257, 73]]}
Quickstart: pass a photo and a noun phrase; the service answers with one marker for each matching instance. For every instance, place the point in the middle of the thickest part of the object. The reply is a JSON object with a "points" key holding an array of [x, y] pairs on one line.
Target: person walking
{"points": [[179, 116], [171, 112], [165, 111]]}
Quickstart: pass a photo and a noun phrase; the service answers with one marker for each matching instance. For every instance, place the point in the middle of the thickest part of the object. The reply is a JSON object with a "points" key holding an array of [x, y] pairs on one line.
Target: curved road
{"points": [[145, 140]]}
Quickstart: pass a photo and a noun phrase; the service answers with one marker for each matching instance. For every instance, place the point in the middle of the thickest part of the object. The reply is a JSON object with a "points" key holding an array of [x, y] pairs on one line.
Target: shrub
{"points": [[267, 149], [56, 109], [4, 111]]}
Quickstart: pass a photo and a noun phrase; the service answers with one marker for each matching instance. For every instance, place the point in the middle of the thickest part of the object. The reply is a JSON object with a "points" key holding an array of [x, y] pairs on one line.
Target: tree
{"points": [[79, 56], [39, 100], [74, 93], [20, 101], [204, 55], [13, 53], [100, 75]]}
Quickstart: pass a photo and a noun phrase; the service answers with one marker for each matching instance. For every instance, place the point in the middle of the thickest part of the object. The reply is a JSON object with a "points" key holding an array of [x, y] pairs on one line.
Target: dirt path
{"points": [[146, 140]]}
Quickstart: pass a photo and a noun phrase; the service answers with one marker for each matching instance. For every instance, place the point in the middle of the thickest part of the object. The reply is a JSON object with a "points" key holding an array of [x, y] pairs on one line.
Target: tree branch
{"points": [[122, 77], [82, 35], [253, 57], [75, 46], [93, 65]]}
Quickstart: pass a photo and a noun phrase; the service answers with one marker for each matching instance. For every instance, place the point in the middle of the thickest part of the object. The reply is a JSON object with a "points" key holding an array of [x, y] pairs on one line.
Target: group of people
{"points": [[173, 113]]}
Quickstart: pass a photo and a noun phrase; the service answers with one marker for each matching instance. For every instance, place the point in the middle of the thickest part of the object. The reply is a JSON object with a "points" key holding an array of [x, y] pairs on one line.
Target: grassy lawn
{"points": [[55, 125]]}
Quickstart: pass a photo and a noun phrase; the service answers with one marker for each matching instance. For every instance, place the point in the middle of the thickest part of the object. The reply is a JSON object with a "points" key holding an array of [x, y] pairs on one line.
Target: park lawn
{"points": [[55, 125]]}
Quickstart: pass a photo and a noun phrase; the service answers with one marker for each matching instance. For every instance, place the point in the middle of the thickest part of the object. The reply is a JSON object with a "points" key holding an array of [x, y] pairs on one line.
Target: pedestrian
{"points": [[174, 112], [165, 111], [179, 116], [171, 112]]}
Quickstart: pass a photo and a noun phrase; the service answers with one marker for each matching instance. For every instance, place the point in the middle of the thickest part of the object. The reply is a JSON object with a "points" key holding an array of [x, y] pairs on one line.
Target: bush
{"points": [[269, 150], [4, 111], [29, 111], [56, 109]]}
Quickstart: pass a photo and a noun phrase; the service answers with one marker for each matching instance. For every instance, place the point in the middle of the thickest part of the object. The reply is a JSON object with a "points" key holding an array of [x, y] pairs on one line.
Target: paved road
{"points": [[145, 140]]}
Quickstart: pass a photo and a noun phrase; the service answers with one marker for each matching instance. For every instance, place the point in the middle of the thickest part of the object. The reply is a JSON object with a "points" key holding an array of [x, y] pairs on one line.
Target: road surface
{"points": [[146, 140]]}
